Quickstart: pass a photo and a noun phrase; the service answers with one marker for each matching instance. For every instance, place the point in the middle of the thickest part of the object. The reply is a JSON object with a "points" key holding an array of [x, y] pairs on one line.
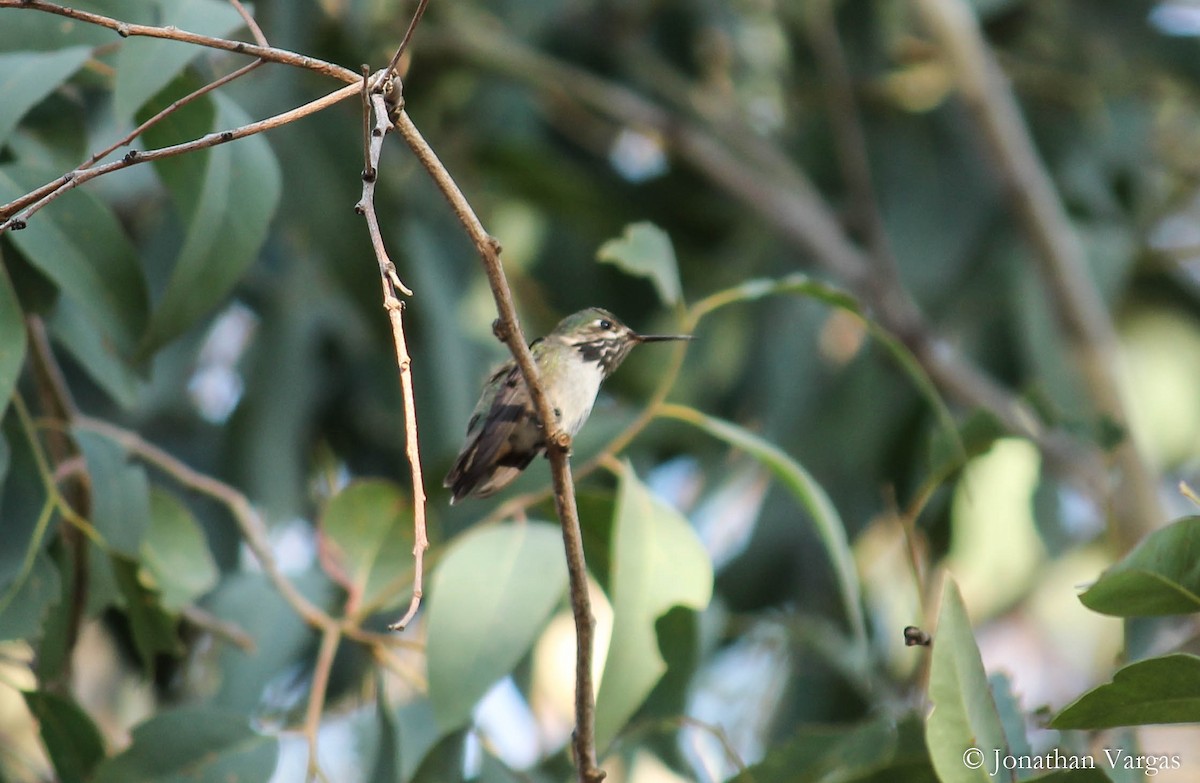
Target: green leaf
{"points": [[491, 597], [388, 760], [176, 560], [24, 604], [881, 749], [658, 563], [146, 65], [807, 492], [964, 714], [366, 537], [645, 250], [72, 740], [78, 243], [193, 745], [96, 355], [1156, 690], [153, 627], [120, 493], [232, 205], [1160, 576], [26, 78], [12, 340]]}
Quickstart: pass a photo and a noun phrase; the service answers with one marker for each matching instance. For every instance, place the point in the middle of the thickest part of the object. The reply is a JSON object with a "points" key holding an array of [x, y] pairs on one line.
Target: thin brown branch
{"points": [[248, 521], [129, 29], [72, 179], [376, 98], [251, 24], [316, 696], [394, 65], [558, 445], [1082, 314]]}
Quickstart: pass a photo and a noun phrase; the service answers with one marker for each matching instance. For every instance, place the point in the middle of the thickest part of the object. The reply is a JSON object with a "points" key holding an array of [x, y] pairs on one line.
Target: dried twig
{"points": [[376, 99], [558, 445], [394, 65]]}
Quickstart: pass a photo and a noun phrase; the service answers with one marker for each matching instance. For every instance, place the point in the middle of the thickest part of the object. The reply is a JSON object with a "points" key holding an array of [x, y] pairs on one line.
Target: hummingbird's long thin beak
{"points": [[661, 338]]}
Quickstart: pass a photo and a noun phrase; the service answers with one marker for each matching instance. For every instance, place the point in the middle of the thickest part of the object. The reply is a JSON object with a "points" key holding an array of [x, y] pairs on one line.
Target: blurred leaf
{"points": [[1085, 775], [1011, 718], [26, 78], [363, 528], [120, 493], [964, 714], [72, 740], [388, 760], [645, 250], [153, 627], [283, 642], [175, 553], [419, 734], [658, 563], [78, 243], [231, 208], [68, 326], [808, 493], [146, 65], [443, 762], [12, 341], [491, 596], [24, 604], [1160, 576], [193, 744], [41, 31], [1156, 690]]}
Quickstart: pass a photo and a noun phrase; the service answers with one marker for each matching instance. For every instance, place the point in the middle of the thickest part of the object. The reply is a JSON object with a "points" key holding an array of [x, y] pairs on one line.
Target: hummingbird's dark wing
{"points": [[502, 438]]}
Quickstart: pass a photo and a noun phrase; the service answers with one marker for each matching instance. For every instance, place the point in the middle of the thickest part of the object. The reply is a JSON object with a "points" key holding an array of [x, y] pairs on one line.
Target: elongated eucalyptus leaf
{"points": [[12, 340], [26, 78], [490, 598], [964, 720], [72, 740], [1160, 576], [658, 563], [1156, 690], [196, 744]]}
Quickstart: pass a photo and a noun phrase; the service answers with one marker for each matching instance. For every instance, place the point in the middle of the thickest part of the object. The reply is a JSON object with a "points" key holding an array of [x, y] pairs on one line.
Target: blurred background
{"points": [[728, 125]]}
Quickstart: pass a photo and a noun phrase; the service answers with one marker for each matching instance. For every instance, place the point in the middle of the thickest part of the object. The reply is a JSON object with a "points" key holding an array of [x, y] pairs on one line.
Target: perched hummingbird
{"points": [[504, 433]]}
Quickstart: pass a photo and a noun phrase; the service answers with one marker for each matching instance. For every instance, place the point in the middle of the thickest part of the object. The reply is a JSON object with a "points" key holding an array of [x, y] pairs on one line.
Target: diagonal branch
{"points": [[558, 445], [1082, 314]]}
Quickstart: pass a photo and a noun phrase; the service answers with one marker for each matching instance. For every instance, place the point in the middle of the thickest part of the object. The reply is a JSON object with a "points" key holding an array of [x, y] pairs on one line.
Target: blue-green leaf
{"points": [[1160, 576], [964, 715], [645, 250], [196, 744], [1156, 690], [491, 596], [72, 740], [120, 493], [26, 78], [230, 209], [12, 340], [658, 563], [78, 243], [146, 65], [176, 560]]}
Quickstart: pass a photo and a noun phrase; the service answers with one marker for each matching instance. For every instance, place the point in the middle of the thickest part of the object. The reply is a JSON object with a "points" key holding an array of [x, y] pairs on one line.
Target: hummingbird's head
{"points": [[600, 337]]}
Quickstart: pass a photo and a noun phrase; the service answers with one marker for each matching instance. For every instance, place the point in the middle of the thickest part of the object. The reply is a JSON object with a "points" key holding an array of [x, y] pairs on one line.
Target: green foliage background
{"points": [[774, 526]]}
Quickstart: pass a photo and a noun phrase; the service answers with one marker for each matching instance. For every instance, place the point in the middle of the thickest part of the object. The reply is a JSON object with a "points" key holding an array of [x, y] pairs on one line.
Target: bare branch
{"points": [[394, 65], [558, 445], [128, 29], [316, 696]]}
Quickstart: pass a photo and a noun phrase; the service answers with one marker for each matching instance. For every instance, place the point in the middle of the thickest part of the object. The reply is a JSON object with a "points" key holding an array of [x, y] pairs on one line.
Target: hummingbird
{"points": [[504, 433]]}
